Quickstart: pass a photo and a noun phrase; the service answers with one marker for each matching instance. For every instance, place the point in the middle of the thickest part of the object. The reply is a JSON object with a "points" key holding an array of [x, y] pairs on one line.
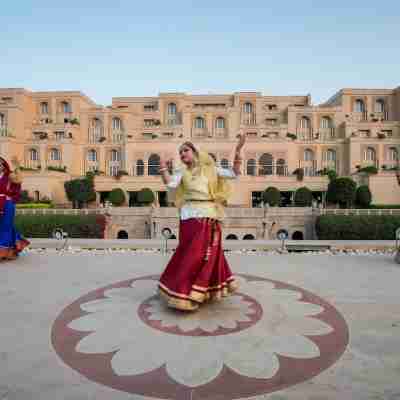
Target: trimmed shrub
{"points": [[303, 197], [342, 191], [370, 169], [77, 226], [80, 191], [363, 196], [117, 197], [145, 196], [25, 198], [272, 196], [35, 205], [385, 206], [357, 227]]}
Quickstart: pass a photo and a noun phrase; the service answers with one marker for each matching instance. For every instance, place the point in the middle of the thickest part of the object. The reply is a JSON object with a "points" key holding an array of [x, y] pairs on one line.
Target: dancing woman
{"points": [[11, 242], [198, 270]]}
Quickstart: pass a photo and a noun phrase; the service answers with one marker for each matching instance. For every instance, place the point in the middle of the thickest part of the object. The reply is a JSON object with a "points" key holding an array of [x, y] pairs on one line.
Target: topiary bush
{"points": [[363, 196], [303, 197], [272, 196], [116, 197], [356, 227], [342, 191], [77, 226], [80, 191], [370, 169], [145, 196]]}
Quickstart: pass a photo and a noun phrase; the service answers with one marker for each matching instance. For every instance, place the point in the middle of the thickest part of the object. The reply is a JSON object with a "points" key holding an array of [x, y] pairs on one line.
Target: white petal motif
{"points": [[196, 363]]}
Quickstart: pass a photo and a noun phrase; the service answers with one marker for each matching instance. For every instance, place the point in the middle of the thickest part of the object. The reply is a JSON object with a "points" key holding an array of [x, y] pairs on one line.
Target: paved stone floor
{"points": [[302, 327]]}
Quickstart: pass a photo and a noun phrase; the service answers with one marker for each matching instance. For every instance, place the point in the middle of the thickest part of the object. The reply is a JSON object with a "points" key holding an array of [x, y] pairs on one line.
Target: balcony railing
{"points": [[200, 133], [5, 132], [360, 116], [326, 134], [249, 119], [117, 136], [305, 134], [95, 135], [221, 133]]}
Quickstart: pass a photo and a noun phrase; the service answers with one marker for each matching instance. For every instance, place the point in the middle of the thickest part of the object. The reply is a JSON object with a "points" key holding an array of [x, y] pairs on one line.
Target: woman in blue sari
{"points": [[11, 242]]}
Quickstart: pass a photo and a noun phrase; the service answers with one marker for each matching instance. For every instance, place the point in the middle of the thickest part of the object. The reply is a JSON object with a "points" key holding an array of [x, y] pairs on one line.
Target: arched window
{"points": [[359, 105], [380, 106], [171, 109], [326, 123], [308, 155], [220, 123], [199, 123], [44, 107], [393, 154], [139, 168], [55, 155], [251, 167], [154, 165], [331, 155], [265, 164], [116, 124], [224, 163], [369, 154], [280, 167], [248, 236], [248, 108], [231, 236], [33, 155], [305, 123], [92, 155], [115, 155], [65, 107], [2, 120]]}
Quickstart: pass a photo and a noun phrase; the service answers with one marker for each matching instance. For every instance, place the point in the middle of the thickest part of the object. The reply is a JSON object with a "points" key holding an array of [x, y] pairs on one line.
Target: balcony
{"points": [[64, 118], [200, 133], [5, 132], [221, 133], [326, 134], [248, 119], [305, 134], [359, 116], [117, 136]]}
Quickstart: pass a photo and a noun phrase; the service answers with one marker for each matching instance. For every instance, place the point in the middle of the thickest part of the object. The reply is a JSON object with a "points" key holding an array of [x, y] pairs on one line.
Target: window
{"points": [[271, 121], [116, 124], [92, 155], [326, 123], [305, 123], [171, 110], [115, 155], [266, 164], [199, 123], [154, 165], [272, 107], [224, 163], [393, 154], [251, 167], [308, 155], [280, 167], [33, 155], [380, 106], [2, 120], [359, 106], [139, 168], [44, 107], [248, 108], [65, 107], [369, 154], [220, 123], [55, 155], [330, 155]]}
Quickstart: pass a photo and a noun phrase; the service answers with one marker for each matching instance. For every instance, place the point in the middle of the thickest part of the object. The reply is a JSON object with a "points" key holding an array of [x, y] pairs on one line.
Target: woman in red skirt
{"points": [[198, 270]]}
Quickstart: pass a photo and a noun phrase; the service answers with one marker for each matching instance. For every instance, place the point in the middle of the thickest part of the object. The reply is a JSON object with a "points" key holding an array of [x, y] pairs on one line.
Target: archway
{"points": [[298, 235], [173, 236], [248, 236], [231, 236], [122, 235]]}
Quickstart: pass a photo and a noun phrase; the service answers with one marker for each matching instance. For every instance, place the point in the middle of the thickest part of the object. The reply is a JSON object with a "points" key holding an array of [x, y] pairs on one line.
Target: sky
{"points": [[141, 48]]}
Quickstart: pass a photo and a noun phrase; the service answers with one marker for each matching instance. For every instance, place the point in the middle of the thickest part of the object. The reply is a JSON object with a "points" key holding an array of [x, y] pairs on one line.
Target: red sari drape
{"points": [[198, 270]]}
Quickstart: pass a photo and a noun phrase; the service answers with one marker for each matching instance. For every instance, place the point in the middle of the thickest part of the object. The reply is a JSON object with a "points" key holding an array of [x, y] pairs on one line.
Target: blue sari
{"points": [[11, 242]]}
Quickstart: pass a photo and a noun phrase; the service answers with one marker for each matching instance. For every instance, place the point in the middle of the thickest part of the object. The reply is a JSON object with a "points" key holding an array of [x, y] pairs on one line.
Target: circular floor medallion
{"points": [[269, 336]]}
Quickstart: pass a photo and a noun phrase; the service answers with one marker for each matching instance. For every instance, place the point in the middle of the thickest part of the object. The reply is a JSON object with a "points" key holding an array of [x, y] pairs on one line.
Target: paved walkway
{"points": [[302, 327]]}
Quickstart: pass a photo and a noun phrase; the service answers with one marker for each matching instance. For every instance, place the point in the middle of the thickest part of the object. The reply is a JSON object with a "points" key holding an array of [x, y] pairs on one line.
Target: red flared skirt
{"points": [[198, 270]]}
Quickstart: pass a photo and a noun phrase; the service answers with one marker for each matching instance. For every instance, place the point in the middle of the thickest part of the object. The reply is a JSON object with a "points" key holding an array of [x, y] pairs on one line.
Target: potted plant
{"points": [[102, 139], [74, 121], [381, 135], [299, 172], [291, 136]]}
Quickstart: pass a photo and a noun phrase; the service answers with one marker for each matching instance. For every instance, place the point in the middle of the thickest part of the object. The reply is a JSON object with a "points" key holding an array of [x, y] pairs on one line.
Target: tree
{"points": [[117, 197], [342, 191], [145, 196], [363, 196], [303, 197], [80, 191], [272, 196]]}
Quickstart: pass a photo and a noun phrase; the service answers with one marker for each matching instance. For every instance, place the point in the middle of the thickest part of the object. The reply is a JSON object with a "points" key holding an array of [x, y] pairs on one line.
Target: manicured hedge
{"points": [[35, 205], [77, 226], [357, 227]]}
